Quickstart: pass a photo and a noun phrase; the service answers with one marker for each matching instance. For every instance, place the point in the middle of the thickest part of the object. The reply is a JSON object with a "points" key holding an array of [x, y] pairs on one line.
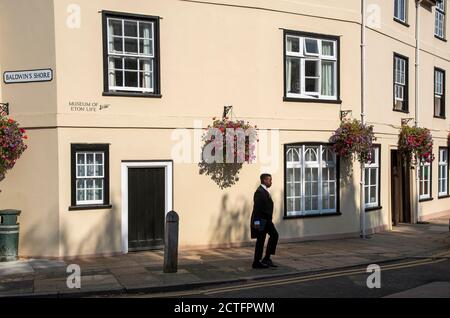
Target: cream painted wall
{"points": [[33, 187], [27, 33]]}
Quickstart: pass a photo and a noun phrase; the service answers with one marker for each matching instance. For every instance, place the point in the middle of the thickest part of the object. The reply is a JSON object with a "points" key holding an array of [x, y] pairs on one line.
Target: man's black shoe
{"points": [[268, 262], [258, 264]]}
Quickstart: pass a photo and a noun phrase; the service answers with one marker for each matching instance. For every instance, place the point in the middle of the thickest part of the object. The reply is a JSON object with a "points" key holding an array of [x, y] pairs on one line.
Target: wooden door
{"points": [[146, 208]]}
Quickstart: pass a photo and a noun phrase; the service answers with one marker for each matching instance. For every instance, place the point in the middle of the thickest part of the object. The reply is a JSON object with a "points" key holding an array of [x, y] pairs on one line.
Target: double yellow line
{"points": [[294, 280]]}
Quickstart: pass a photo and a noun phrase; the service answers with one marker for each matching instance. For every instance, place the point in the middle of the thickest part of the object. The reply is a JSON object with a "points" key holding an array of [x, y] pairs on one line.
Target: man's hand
{"points": [[256, 224]]}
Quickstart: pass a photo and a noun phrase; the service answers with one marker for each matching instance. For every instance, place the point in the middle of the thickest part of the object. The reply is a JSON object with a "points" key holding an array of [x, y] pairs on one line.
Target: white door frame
{"points": [[168, 167]]}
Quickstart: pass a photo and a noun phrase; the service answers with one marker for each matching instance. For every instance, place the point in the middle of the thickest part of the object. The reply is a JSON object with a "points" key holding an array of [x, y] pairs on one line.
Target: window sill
{"points": [[311, 216], [439, 38], [90, 207], [374, 208], [444, 196], [130, 94], [426, 200], [401, 22], [308, 100], [440, 117], [400, 111]]}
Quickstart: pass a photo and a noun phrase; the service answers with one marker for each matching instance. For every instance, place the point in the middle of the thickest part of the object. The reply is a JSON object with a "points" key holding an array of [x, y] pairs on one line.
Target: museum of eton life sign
{"points": [[43, 75]]}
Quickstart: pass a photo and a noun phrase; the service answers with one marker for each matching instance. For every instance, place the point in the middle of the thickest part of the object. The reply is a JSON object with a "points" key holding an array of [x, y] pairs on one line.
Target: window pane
{"points": [[81, 172], [311, 46], [311, 68], [327, 48], [99, 158], [90, 170], [131, 64], [80, 184], [366, 176], [89, 183], [131, 46], [366, 195], [146, 47], [328, 78], [130, 28], [98, 195], [293, 44], [298, 205], [290, 205], [99, 170], [98, 183], [90, 158], [117, 79], [115, 27], [117, 45], [311, 85], [315, 188], [290, 175], [145, 30], [80, 195], [373, 176], [293, 75], [115, 63], [373, 195], [80, 158], [89, 195], [131, 79], [297, 189], [315, 203]]}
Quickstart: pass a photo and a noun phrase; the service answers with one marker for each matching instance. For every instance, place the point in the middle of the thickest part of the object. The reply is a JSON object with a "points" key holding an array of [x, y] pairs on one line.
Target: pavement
{"points": [[141, 272]]}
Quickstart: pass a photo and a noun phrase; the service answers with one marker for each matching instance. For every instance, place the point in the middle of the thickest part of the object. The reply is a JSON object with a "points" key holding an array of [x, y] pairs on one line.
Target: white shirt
{"points": [[265, 188]]}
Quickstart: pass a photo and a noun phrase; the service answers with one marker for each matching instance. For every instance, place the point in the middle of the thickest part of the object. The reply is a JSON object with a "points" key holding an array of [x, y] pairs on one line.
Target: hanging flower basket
{"points": [[353, 138], [228, 144], [11, 144], [415, 144]]}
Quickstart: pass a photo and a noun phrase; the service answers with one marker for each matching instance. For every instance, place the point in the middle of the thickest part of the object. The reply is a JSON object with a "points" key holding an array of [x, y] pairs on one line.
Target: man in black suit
{"points": [[261, 224]]}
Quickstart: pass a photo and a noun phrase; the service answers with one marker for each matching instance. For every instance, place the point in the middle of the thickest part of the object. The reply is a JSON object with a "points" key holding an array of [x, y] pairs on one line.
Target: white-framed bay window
{"points": [[372, 173], [443, 172], [131, 54], [311, 66], [90, 175], [311, 180], [425, 181]]}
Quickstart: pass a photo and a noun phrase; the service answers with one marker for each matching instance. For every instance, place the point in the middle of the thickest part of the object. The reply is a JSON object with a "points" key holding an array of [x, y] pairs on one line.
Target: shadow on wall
{"points": [[100, 238], [232, 225], [233, 222]]}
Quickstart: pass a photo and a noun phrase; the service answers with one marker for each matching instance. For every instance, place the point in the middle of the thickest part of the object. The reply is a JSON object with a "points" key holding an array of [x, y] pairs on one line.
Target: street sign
{"points": [[41, 75]]}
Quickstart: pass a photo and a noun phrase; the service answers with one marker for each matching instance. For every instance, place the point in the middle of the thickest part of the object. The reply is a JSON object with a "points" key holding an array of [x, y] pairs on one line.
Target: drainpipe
{"points": [[363, 113], [417, 101]]}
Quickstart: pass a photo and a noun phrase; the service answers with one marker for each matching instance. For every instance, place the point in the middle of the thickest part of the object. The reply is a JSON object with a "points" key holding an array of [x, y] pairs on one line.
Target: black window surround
{"points": [[338, 182], [338, 66], [157, 65], [106, 196], [379, 207], [405, 108], [444, 14], [444, 92]]}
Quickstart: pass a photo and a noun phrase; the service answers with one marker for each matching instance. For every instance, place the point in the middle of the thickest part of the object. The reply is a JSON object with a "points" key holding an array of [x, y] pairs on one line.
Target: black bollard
{"points": [[171, 243]]}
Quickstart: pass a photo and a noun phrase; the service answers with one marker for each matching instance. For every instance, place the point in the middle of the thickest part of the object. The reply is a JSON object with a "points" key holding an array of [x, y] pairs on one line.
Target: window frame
{"points": [[429, 196], [337, 211], [89, 148], [405, 108], [443, 99], [443, 13], [377, 206], [399, 20], [442, 195], [319, 57], [130, 92]]}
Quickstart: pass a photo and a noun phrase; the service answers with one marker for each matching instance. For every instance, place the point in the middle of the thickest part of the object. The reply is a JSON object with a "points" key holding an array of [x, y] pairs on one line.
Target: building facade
{"points": [[125, 89]]}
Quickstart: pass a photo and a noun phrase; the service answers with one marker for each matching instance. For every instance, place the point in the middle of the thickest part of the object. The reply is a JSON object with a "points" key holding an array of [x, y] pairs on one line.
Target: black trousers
{"points": [[261, 238]]}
